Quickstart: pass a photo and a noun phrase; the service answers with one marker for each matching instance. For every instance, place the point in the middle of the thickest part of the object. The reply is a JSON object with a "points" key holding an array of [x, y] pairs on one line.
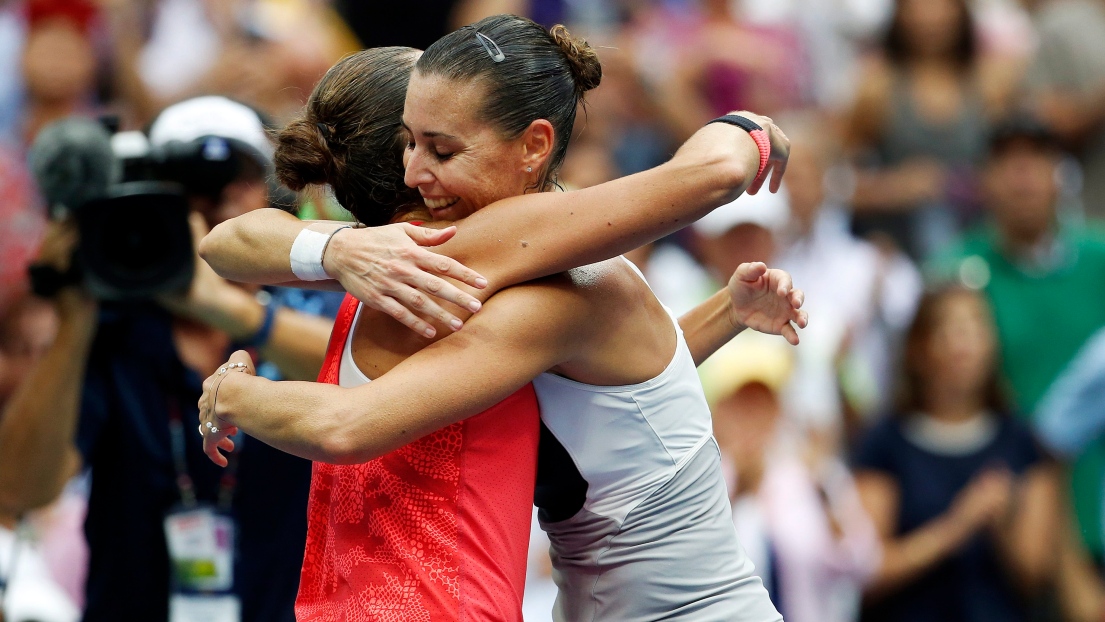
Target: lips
{"points": [[440, 203]]}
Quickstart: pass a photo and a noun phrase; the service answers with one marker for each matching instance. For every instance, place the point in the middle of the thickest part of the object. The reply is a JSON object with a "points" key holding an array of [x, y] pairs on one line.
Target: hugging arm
{"points": [[514, 240], [502, 348]]}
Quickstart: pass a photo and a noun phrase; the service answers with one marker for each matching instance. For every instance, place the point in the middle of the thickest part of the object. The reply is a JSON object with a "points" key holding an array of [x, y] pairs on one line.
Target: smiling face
{"points": [[458, 162]]}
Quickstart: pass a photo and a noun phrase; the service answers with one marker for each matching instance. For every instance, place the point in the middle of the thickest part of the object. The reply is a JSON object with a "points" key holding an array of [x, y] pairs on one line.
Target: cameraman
{"points": [[117, 392]]}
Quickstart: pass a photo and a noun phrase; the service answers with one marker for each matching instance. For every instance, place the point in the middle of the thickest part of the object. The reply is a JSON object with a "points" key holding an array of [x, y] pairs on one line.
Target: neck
{"points": [[1021, 243], [953, 404]]}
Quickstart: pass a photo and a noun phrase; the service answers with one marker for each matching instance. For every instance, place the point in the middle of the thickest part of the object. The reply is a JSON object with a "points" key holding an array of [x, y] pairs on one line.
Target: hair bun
{"points": [[302, 155], [586, 68]]}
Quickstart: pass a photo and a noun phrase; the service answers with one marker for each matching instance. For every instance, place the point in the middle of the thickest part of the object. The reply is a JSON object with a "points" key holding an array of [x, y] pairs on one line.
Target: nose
{"points": [[416, 173]]}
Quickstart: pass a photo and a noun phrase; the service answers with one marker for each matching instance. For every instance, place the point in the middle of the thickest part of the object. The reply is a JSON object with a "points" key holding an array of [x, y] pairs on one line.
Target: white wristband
{"points": [[306, 255]]}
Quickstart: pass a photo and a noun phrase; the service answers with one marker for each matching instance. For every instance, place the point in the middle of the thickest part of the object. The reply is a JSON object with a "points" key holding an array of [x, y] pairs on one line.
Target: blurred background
{"points": [[932, 451]]}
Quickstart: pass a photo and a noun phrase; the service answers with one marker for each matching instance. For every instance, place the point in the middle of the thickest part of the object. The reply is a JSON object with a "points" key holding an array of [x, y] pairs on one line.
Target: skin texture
{"points": [[598, 324]]}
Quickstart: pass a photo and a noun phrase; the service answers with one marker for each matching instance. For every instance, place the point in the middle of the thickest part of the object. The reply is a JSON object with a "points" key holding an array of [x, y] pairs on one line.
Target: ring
{"points": [[201, 430]]}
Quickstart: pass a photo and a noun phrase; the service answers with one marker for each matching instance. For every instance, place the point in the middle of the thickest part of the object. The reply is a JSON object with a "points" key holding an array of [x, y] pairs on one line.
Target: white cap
{"points": [[212, 115], [770, 211]]}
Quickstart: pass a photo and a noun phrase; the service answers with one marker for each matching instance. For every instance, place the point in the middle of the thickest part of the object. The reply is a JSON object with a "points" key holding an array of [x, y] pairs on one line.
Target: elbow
{"points": [[208, 247], [337, 447]]}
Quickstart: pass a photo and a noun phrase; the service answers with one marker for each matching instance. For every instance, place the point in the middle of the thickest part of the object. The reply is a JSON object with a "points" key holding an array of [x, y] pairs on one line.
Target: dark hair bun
{"points": [[302, 155], [586, 68]]}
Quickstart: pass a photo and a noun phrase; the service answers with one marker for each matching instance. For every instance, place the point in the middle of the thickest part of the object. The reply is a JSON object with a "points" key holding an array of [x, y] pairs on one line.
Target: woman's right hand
{"points": [[388, 269]]}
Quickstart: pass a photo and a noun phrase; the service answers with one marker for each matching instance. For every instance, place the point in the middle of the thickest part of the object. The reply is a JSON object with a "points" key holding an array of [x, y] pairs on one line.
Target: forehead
{"points": [[441, 105]]}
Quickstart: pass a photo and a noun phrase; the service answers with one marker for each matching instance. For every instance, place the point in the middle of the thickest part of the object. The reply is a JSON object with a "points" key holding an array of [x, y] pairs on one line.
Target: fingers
{"points": [[797, 298], [448, 266], [785, 284], [402, 315], [790, 334], [751, 271], [425, 236], [803, 319], [759, 181], [243, 357], [777, 175]]}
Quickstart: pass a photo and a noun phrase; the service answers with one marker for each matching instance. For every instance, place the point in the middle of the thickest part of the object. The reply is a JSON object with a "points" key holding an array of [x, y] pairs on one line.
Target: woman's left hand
{"points": [[766, 300], [215, 430]]}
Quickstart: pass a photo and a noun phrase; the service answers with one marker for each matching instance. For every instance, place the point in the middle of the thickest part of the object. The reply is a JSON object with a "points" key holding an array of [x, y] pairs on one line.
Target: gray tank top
{"points": [[645, 529]]}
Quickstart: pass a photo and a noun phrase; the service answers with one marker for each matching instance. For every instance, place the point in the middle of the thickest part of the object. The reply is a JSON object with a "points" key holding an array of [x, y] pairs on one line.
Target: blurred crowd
{"points": [[933, 450]]}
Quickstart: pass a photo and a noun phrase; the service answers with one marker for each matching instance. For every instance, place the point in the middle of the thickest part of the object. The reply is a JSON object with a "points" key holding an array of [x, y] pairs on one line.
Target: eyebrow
{"points": [[429, 134]]}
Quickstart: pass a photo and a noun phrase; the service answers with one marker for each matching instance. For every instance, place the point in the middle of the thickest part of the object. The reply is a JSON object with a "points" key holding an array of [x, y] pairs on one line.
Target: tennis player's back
{"points": [[631, 494]]}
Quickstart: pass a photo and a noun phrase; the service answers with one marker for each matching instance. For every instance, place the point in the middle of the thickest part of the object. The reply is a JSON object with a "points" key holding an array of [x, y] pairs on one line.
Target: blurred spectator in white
{"points": [[795, 506], [1039, 273], [1066, 82], [963, 499], [919, 125], [860, 296]]}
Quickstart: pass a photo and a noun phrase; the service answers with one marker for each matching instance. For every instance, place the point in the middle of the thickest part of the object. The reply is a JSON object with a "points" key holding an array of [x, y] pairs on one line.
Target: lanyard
{"points": [[228, 483]]}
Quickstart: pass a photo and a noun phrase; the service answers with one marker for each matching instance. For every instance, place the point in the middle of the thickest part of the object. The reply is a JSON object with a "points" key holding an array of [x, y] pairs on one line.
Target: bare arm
{"points": [[39, 422], [908, 556], [517, 239], [502, 348], [756, 297], [1028, 541]]}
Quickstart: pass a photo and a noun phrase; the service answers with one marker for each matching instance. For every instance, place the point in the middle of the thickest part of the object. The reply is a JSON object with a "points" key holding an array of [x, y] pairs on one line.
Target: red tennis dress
{"points": [[435, 531]]}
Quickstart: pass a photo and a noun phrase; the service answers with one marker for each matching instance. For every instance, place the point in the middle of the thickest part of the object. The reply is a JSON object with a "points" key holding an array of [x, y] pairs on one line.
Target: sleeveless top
{"points": [[631, 492], [437, 530]]}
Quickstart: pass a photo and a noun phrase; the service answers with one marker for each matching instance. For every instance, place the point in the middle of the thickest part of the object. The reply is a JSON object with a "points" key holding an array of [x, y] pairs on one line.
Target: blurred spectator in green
{"points": [[962, 497], [1067, 85], [919, 124], [1043, 279]]}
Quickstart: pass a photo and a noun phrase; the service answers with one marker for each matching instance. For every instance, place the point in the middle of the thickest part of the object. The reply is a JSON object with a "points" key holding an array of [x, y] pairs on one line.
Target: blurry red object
{"points": [[81, 12]]}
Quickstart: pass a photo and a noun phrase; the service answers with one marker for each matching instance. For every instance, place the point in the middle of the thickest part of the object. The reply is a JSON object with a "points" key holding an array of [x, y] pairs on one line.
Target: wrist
{"points": [[261, 330], [227, 396], [333, 252]]}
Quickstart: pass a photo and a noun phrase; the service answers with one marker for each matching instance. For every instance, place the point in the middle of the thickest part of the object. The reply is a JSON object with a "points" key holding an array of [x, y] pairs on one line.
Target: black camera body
{"points": [[130, 202]]}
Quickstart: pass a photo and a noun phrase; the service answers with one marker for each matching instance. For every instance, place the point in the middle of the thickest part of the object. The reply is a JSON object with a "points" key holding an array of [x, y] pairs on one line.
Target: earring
{"points": [[529, 169]]}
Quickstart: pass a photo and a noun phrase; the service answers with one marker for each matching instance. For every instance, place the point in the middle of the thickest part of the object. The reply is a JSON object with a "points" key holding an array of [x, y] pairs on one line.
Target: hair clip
{"points": [[324, 130], [491, 47]]}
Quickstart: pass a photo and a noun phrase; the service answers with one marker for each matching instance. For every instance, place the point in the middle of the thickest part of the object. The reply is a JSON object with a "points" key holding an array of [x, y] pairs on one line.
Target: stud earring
{"points": [[529, 169]]}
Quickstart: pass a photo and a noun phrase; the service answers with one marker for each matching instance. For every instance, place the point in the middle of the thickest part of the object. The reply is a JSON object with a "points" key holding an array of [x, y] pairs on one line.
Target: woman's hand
{"points": [[215, 430], [388, 269], [765, 300], [780, 153]]}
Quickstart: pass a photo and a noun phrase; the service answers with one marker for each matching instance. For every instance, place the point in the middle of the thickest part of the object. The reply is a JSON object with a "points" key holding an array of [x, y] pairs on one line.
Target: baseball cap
{"points": [[765, 209], [213, 115], [752, 358]]}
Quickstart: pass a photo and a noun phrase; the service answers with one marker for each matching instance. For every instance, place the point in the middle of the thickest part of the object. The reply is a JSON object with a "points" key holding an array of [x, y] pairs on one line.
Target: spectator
{"points": [[117, 391], [963, 499], [1031, 265], [34, 591], [919, 125], [1066, 82], [863, 296], [794, 504]]}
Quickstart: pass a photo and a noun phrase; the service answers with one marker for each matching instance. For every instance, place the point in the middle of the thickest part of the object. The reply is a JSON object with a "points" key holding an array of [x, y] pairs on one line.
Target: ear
{"points": [[537, 144]]}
